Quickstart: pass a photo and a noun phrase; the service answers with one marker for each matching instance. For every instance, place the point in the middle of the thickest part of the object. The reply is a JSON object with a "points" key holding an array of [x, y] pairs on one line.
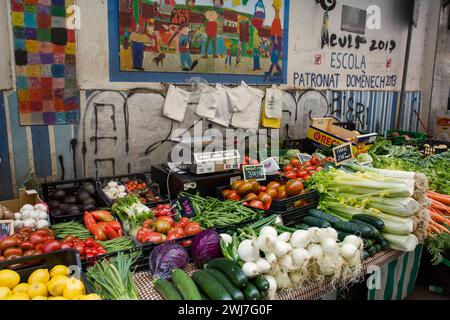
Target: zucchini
{"points": [[211, 286], [322, 216], [234, 292], [375, 232], [353, 228], [342, 236], [261, 283], [167, 290], [251, 292], [377, 223], [379, 248], [231, 270], [185, 285], [384, 244], [302, 227], [372, 251], [368, 243], [316, 222]]}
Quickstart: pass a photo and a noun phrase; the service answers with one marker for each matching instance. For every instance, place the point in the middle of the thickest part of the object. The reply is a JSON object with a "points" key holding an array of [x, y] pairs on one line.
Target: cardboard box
{"points": [[25, 197], [324, 134]]}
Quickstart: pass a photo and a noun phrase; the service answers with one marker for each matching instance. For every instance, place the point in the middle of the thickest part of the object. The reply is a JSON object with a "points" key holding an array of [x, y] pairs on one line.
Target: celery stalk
{"points": [[401, 243]]}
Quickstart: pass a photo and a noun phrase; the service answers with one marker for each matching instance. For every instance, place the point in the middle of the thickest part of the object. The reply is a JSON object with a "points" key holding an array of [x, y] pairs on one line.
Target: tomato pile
{"points": [[164, 228], [28, 243], [162, 210], [88, 248], [255, 195], [297, 170], [102, 225], [142, 190]]}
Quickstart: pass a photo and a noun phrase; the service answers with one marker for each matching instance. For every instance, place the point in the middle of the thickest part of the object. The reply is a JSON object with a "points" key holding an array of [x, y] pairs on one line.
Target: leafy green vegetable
{"points": [[131, 210], [436, 247]]}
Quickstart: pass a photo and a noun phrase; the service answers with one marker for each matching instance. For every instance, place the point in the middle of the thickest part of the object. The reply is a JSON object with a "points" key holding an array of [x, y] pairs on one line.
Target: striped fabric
{"points": [[398, 277]]}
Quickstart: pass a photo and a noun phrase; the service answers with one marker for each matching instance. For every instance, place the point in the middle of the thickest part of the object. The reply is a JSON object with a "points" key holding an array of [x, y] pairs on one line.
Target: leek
{"points": [[402, 243], [386, 173]]}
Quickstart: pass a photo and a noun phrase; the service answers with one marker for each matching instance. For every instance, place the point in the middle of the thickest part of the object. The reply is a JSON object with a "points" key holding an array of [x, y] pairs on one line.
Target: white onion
{"points": [[315, 251], [17, 216], [288, 263], [271, 258], [43, 215], [329, 246], [273, 286], [226, 238], [329, 264], [300, 239], [354, 240], [42, 224], [330, 233], [300, 257], [348, 251], [247, 251], [266, 242], [263, 265], [314, 234], [113, 184], [27, 207], [283, 280], [282, 249], [29, 223], [34, 215], [285, 237], [270, 231], [251, 270], [41, 207]]}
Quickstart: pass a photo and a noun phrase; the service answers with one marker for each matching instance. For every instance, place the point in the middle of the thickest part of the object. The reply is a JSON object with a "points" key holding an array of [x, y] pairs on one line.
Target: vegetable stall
{"points": [[312, 229]]}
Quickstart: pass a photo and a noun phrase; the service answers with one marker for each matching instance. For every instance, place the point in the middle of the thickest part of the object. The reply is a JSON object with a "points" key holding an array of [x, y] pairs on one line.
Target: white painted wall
{"points": [[5, 49]]}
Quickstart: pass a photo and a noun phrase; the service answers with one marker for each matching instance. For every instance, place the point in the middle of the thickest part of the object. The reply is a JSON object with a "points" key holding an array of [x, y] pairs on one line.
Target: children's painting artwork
{"points": [[221, 37], [45, 54]]}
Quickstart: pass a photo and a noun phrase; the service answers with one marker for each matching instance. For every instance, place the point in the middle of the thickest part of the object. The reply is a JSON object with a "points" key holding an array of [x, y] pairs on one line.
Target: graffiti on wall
{"points": [[216, 37]]}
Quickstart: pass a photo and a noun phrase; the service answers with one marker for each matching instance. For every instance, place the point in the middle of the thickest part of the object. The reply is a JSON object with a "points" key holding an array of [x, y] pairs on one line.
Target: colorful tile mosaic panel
{"points": [[45, 62]]}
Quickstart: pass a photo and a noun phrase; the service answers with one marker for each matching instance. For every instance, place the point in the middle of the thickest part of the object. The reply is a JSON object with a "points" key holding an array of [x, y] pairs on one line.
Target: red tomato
{"points": [[290, 175], [288, 169], [66, 246], [167, 207], [69, 239], [234, 196], [257, 204], [295, 163], [186, 243], [302, 174], [51, 246], [263, 189], [153, 237], [192, 229], [168, 219]]}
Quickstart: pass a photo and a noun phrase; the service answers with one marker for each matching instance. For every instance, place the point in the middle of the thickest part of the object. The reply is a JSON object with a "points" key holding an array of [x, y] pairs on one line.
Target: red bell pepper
{"points": [[89, 221], [111, 233], [99, 234], [102, 216], [116, 226]]}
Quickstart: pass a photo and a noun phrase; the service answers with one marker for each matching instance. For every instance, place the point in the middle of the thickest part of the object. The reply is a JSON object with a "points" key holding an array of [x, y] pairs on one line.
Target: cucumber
{"points": [[302, 227], [372, 251], [211, 286], [261, 283], [377, 223], [185, 285], [322, 216], [251, 292], [366, 255], [384, 244], [234, 292], [368, 243], [167, 290], [316, 222], [231, 270], [342, 236], [378, 247], [353, 228], [375, 232]]}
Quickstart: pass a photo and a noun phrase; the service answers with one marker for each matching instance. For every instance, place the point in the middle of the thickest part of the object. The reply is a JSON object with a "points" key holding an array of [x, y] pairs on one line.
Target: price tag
{"points": [[186, 208], [304, 157], [256, 172], [6, 228], [343, 153], [365, 164], [271, 166]]}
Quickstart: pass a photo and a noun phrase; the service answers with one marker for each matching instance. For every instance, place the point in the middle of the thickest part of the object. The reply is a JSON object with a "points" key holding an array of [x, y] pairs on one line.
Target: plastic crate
{"points": [[435, 276], [122, 180], [295, 217], [25, 266], [417, 138], [428, 148], [70, 187]]}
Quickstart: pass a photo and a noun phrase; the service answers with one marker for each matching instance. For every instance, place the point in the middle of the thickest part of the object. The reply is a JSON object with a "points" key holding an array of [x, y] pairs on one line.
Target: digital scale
{"points": [[215, 162]]}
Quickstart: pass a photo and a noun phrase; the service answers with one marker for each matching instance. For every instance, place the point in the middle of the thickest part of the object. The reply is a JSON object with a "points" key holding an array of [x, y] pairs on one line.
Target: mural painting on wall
{"points": [[228, 37], [45, 58]]}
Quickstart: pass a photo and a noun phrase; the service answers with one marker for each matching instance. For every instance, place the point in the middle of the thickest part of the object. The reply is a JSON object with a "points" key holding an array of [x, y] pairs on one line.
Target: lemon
{"points": [[37, 289], [59, 271], [5, 293], [19, 296], [91, 297], [41, 275], [56, 298], [56, 285], [40, 298], [9, 279], [73, 289], [21, 288]]}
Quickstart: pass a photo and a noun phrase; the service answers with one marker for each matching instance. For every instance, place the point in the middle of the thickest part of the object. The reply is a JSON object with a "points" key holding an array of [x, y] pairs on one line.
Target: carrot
{"points": [[434, 229], [439, 197], [440, 206], [438, 218], [440, 227]]}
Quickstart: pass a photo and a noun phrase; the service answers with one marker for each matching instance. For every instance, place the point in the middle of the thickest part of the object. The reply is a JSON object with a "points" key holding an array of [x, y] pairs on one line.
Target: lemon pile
{"points": [[43, 285]]}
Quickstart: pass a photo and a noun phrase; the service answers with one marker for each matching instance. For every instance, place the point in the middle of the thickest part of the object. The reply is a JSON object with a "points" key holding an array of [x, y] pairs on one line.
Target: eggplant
{"points": [[90, 201], [89, 207], [64, 207], [57, 212], [89, 187], [70, 200], [83, 195], [54, 204], [59, 195]]}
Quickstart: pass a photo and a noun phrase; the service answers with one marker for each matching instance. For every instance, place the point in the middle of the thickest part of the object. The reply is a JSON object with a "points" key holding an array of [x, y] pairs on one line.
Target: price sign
{"points": [[304, 157], [186, 208], [256, 172], [343, 153], [271, 166], [6, 228], [365, 164]]}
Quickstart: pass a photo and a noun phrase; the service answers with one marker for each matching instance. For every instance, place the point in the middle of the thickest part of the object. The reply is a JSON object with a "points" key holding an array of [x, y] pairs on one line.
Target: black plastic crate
{"points": [[25, 266], [70, 187], [122, 180], [295, 217], [435, 276], [428, 148]]}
